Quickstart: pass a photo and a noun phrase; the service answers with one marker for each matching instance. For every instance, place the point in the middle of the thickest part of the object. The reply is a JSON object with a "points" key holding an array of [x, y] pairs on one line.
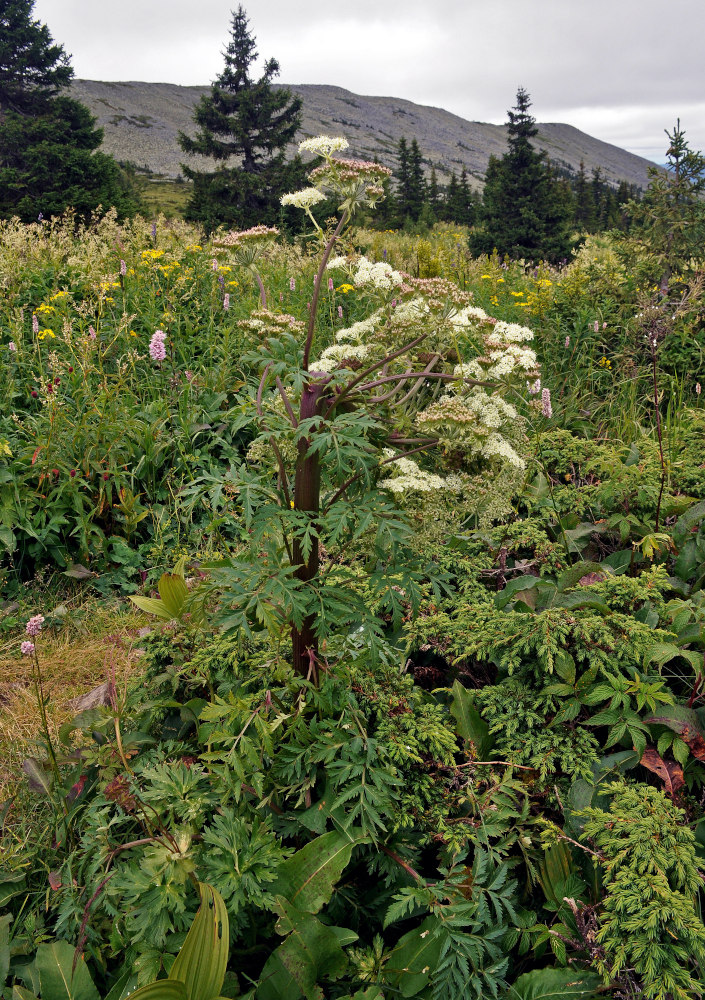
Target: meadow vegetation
{"points": [[391, 561]]}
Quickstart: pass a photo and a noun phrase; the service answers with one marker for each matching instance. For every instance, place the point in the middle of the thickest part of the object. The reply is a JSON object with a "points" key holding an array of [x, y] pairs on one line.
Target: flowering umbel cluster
{"points": [[355, 182]]}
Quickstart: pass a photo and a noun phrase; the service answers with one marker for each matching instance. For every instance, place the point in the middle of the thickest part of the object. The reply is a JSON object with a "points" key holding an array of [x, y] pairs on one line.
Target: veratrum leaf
{"points": [[152, 606], [173, 591], [311, 952], [470, 724], [163, 989], [203, 956], [54, 963], [307, 879], [414, 958], [540, 984]]}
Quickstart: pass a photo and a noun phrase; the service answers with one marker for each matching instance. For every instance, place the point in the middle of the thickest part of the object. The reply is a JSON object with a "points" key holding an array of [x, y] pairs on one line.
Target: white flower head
{"points": [[323, 145], [303, 199]]}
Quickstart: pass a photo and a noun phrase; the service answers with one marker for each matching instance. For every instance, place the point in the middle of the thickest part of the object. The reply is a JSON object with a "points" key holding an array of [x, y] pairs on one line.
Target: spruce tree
{"points": [[669, 222], [244, 125], [524, 211], [434, 196], [48, 141], [402, 176], [417, 181]]}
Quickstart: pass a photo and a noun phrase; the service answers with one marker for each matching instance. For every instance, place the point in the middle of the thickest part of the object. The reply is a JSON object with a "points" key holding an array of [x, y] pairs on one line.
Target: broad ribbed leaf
{"points": [[57, 981], [311, 952], [153, 606], [414, 959], [470, 724], [203, 956], [173, 591], [163, 989], [542, 984], [308, 877]]}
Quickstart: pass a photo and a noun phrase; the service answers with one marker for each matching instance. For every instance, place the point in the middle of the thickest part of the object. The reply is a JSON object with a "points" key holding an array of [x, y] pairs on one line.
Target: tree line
{"points": [[529, 207]]}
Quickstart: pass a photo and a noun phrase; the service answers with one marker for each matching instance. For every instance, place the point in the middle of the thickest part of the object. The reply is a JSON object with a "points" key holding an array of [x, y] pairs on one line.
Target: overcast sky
{"points": [[621, 70]]}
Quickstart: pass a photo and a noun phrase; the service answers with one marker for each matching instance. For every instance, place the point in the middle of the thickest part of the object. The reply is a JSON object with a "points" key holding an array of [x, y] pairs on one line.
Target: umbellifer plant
{"points": [[339, 432]]}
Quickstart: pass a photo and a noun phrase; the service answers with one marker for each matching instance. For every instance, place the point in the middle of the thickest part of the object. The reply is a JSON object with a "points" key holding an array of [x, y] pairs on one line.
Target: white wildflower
{"points": [[380, 275], [303, 199], [323, 145]]}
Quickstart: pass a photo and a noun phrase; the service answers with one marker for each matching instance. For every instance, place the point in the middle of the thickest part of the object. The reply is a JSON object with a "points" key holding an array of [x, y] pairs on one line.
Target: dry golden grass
{"points": [[72, 663]]}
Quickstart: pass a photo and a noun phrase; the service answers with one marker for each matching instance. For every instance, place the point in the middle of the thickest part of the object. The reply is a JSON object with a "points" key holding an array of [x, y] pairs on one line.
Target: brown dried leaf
{"points": [[670, 773]]}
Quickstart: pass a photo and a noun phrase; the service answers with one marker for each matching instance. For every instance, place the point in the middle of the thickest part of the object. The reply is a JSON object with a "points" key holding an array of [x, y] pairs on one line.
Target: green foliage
{"points": [[649, 922]]}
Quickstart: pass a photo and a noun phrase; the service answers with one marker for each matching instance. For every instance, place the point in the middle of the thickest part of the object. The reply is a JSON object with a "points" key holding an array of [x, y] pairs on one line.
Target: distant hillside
{"points": [[142, 120]]}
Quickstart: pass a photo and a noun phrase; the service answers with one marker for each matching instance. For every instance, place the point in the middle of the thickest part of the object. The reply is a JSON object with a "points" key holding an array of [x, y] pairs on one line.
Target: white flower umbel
{"points": [[379, 275], [337, 354], [407, 476], [303, 199], [323, 145]]}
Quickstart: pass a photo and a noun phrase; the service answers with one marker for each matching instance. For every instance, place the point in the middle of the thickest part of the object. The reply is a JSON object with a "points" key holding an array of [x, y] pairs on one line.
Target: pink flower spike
{"points": [[12, 346], [157, 349], [546, 403], [123, 268], [330, 285], [567, 343], [596, 327], [27, 648], [340, 312], [35, 323], [292, 284], [226, 301]]}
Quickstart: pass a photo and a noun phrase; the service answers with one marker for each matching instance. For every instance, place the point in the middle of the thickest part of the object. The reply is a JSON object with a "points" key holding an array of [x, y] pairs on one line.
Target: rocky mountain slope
{"points": [[142, 120]]}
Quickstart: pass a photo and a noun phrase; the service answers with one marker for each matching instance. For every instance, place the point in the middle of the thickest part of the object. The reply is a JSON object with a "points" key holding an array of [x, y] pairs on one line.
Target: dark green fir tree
{"points": [[244, 125], [669, 222], [49, 159], [525, 212]]}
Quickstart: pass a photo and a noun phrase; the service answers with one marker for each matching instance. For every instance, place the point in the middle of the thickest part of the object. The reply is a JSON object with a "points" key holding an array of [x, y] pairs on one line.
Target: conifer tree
{"points": [[524, 211], [417, 181], [48, 141], [434, 195], [248, 122], [669, 221]]}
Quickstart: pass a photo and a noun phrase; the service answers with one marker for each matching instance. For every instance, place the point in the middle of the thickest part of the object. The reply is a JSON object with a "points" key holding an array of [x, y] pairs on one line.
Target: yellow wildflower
{"points": [[43, 334], [345, 288]]}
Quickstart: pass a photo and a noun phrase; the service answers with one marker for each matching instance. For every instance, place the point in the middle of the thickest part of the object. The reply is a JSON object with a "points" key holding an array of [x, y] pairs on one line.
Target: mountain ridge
{"points": [[141, 122]]}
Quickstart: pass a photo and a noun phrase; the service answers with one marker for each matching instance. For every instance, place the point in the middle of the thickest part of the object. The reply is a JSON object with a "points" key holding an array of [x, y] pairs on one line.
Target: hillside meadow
{"points": [[409, 697]]}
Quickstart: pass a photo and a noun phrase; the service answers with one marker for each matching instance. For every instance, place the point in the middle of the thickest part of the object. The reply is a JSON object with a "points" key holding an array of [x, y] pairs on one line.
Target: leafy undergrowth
{"points": [[485, 775]]}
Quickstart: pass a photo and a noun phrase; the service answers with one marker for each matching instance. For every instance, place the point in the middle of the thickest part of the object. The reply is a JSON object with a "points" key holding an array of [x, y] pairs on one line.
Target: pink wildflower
{"points": [[12, 346], [330, 285], [546, 403], [34, 625], [27, 648], [567, 343], [340, 312], [534, 388], [698, 388], [596, 326], [157, 348], [91, 333], [123, 268], [35, 323], [292, 284], [226, 301]]}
